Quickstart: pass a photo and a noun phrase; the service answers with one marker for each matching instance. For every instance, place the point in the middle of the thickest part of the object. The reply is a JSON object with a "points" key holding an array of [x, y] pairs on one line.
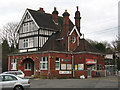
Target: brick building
{"points": [[51, 45]]}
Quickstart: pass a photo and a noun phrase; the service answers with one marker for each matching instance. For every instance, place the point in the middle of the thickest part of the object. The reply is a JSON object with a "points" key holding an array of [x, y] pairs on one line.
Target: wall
{"points": [[78, 59]]}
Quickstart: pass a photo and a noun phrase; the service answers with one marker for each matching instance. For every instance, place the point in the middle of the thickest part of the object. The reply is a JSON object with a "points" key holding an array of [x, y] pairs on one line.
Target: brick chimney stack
{"points": [[41, 9], [55, 15], [65, 23], [65, 30], [77, 19]]}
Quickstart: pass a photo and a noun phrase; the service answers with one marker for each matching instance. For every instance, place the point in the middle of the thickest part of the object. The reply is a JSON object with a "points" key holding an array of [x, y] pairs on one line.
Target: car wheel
{"points": [[18, 88]]}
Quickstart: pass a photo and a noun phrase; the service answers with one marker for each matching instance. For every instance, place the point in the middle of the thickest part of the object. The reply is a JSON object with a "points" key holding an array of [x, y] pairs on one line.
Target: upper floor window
{"points": [[30, 44], [73, 39], [25, 27], [25, 42]]}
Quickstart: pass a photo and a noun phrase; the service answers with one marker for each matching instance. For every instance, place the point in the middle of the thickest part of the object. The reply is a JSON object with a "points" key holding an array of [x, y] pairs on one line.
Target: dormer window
{"points": [[73, 39]]}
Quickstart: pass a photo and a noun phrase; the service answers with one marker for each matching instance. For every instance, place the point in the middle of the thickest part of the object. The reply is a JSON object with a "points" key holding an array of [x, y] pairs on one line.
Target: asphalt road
{"points": [[103, 82]]}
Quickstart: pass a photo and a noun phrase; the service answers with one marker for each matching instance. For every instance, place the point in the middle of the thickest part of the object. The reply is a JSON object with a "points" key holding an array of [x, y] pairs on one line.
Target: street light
{"points": [[115, 64]]}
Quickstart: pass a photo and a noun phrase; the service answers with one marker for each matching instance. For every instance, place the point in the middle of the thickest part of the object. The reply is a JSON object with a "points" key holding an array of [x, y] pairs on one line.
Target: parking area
{"points": [[101, 82]]}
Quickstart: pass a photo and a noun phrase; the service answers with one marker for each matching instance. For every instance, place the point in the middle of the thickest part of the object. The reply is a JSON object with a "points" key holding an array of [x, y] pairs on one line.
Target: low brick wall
{"points": [[99, 73]]}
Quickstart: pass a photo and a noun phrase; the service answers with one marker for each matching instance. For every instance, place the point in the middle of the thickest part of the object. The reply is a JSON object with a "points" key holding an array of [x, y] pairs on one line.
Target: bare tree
{"points": [[9, 33]]}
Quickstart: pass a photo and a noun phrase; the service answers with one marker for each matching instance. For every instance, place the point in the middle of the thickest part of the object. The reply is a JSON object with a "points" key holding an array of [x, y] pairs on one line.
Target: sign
{"points": [[76, 67], [63, 66], [109, 56], [64, 72], [69, 67], [90, 61], [80, 66], [65, 60]]}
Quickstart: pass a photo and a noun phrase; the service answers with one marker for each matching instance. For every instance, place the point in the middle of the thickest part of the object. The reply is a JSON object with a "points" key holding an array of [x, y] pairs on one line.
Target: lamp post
{"points": [[115, 65]]}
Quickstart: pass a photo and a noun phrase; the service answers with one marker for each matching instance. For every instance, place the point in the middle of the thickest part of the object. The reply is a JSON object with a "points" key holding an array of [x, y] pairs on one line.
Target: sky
{"points": [[99, 18]]}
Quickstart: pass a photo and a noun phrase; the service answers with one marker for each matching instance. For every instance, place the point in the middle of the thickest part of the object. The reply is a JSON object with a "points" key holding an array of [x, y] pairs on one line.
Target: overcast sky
{"points": [[99, 17]]}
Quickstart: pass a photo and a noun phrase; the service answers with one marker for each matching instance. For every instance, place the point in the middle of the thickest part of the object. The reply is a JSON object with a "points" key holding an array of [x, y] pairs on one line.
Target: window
{"points": [[30, 42], [14, 64], [79, 66], [25, 42], [57, 63], [93, 67], [73, 39], [99, 67], [43, 63], [9, 78], [63, 67], [27, 66], [25, 27]]}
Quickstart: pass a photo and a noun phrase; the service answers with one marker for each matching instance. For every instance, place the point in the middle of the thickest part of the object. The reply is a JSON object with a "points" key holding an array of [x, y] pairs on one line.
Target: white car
{"points": [[13, 81], [17, 73]]}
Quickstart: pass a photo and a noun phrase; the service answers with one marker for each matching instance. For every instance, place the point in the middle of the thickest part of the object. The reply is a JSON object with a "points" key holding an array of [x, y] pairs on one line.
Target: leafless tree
{"points": [[9, 33]]}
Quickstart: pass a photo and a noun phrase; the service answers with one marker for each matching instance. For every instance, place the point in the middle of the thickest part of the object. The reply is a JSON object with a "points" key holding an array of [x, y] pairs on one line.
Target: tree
{"points": [[9, 33], [5, 52], [104, 46]]}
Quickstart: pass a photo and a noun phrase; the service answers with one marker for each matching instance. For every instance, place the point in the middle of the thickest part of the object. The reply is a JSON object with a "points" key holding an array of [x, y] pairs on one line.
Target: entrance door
{"points": [[89, 68], [89, 72]]}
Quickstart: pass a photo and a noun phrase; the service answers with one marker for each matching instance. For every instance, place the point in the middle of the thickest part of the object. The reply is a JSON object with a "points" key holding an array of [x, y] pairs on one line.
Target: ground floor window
{"points": [[79, 66], [43, 63], [99, 67], [27, 66], [57, 63], [14, 64]]}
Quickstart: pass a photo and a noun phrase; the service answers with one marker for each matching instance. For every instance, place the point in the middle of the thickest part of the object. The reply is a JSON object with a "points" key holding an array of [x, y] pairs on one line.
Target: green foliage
{"points": [[100, 47], [5, 52]]}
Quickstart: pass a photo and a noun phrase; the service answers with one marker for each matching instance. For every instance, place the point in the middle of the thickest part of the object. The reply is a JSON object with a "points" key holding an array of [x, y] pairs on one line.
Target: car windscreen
{"points": [[19, 73]]}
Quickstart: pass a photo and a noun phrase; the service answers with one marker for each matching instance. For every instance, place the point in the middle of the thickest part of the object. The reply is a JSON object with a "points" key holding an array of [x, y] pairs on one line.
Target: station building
{"points": [[51, 45]]}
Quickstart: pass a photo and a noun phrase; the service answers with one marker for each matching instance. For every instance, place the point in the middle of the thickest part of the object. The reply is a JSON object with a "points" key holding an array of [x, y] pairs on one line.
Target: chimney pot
{"points": [[54, 8], [41, 9], [77, 8]]}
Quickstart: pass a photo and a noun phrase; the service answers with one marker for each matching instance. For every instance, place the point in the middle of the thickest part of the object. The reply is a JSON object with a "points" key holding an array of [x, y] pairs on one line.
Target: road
{"points": [[103, 82]]}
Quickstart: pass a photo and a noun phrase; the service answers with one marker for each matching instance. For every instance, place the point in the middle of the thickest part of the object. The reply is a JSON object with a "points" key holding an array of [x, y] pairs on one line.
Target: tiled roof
{"points": [[45, 20], [53, 44], [85, 46]]}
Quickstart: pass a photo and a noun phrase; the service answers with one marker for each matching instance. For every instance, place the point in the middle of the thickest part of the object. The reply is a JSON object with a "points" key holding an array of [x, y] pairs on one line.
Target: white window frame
{"points": [[31, 41], [28, 68], [57, 62], [25, 43], [14, 64], [43, 62]]}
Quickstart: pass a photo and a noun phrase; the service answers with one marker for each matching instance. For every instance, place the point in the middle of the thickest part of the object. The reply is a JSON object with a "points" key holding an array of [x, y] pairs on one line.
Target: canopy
{"points": [[90, 61]]}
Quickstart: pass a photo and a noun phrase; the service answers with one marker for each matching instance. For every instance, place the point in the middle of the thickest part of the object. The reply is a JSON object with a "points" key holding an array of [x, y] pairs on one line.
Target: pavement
{"points": [[99, 82]]}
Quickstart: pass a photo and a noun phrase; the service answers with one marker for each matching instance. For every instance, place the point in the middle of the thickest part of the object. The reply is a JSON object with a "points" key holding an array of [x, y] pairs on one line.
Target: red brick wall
{"points": [[79, 73], [78, 59], [72, 46]]}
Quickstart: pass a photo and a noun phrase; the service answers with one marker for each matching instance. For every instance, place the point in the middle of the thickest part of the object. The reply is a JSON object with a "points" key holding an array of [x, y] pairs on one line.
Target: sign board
{"points": [[63, 66], [80, 66], [109, 56], [76, 67], [65, 72], [69, 67], [90, 61], [66, 60]]}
